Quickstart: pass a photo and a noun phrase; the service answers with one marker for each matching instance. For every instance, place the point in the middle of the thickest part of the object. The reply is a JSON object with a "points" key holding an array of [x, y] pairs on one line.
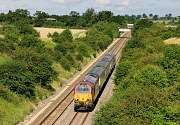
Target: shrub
{"points": [[65, 36], [141, 24], [16, 76], [61, 48], [134, 105], [150, 75], [134, 43], [38, 64], [65, 64], [166, 35], [79, 57], [122, 70], [31, 41], [171, 62]]}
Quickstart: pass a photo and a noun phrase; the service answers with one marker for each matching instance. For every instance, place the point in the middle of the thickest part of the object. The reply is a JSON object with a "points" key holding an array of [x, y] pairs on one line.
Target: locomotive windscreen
{"points": [[82, 89]]}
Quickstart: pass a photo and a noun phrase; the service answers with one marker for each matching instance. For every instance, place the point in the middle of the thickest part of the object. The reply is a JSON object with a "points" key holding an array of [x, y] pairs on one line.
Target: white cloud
{"points": [[102, 2], [124, 4], [67, 1], [1, 7], [58, 1]]}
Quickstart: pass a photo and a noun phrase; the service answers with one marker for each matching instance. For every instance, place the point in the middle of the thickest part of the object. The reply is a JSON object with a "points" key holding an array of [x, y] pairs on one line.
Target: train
{"points": [[87, 89]]}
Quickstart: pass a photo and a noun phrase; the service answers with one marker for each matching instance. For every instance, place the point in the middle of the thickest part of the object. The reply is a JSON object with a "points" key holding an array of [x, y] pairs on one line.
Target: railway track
{"points": [[79, 118], [56, 113]]}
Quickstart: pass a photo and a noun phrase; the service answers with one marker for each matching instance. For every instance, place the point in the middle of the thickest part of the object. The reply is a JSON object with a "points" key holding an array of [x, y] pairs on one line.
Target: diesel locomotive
{"points": [[88, 88]]}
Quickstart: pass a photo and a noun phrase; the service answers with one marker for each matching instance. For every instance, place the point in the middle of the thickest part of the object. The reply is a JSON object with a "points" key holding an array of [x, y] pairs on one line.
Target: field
{"points": [[172, 41], [44, 31]]}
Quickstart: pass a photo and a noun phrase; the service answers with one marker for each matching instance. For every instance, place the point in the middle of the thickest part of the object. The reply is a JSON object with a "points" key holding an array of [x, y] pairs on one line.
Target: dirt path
{"points": [[44, 31]]}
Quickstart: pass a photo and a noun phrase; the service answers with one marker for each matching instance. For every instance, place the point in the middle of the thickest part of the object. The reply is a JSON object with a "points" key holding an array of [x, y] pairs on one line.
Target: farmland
{"points": [[45, 31], [172, 41]]}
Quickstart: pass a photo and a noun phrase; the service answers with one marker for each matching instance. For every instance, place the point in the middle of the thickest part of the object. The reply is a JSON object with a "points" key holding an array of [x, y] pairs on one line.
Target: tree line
{"points": [[74, 19]]}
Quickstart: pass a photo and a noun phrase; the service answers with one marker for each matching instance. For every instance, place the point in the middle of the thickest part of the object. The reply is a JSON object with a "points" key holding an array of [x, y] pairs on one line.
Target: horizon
{"points": [[118, 7]]}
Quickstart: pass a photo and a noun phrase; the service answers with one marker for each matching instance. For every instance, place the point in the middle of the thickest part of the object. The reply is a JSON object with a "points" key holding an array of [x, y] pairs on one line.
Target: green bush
{"points": [[61, 48], [121, 71], [166, 35], [65, 36], [38, 64], [31, 41], [6, 47], [8, 95], [17, 78], [25, 28], [135, 105], [134, 43], [177, 32], [171, 62], [143, 23], [68, 35], [79, 57], [150, 75], [65, 64]]}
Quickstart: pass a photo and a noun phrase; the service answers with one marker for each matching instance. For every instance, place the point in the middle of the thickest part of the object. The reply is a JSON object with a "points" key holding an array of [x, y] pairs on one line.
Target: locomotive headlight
{"points": [[76, 100], [88, 99]]}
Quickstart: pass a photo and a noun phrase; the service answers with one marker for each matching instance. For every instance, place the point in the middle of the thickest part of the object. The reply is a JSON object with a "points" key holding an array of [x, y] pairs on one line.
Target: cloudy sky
{"points": [[121, 7]]}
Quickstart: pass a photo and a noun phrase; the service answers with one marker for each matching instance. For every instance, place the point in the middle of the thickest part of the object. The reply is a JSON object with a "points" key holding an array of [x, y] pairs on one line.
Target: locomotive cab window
{"points": [[82, 89]]}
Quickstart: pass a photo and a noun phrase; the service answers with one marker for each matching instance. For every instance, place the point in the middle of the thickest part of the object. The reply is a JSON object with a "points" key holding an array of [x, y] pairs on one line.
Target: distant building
{"points": [[130, 26], [51, 19], [150, 17]]}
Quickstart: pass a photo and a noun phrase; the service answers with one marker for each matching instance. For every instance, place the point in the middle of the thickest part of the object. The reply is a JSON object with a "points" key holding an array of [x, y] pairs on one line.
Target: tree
{"points": [[74, 13], [2, 17], [144, 23], [39, 64], [17, 15], [169, 16], [65, 36], [89, 17], [119, 19], [144, 15], [105, 16], [151, 15], [39, 15], [17, 78], [138, 17], [155, 17]]}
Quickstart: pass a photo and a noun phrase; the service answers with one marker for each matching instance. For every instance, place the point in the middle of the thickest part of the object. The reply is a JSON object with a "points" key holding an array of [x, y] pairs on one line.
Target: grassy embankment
{"points": [[64, 75], [32, 69], [14, 107]]}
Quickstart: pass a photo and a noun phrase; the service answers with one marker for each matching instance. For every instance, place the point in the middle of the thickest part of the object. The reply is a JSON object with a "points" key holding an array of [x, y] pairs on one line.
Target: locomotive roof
{"points": [[89, 78], [108, 57], [102, 64], [93, 75], [96, 71]]}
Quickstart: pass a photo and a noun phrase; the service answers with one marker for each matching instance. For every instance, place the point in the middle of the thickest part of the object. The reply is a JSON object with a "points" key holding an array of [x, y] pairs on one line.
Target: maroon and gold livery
{"points": [[88, 88]]}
